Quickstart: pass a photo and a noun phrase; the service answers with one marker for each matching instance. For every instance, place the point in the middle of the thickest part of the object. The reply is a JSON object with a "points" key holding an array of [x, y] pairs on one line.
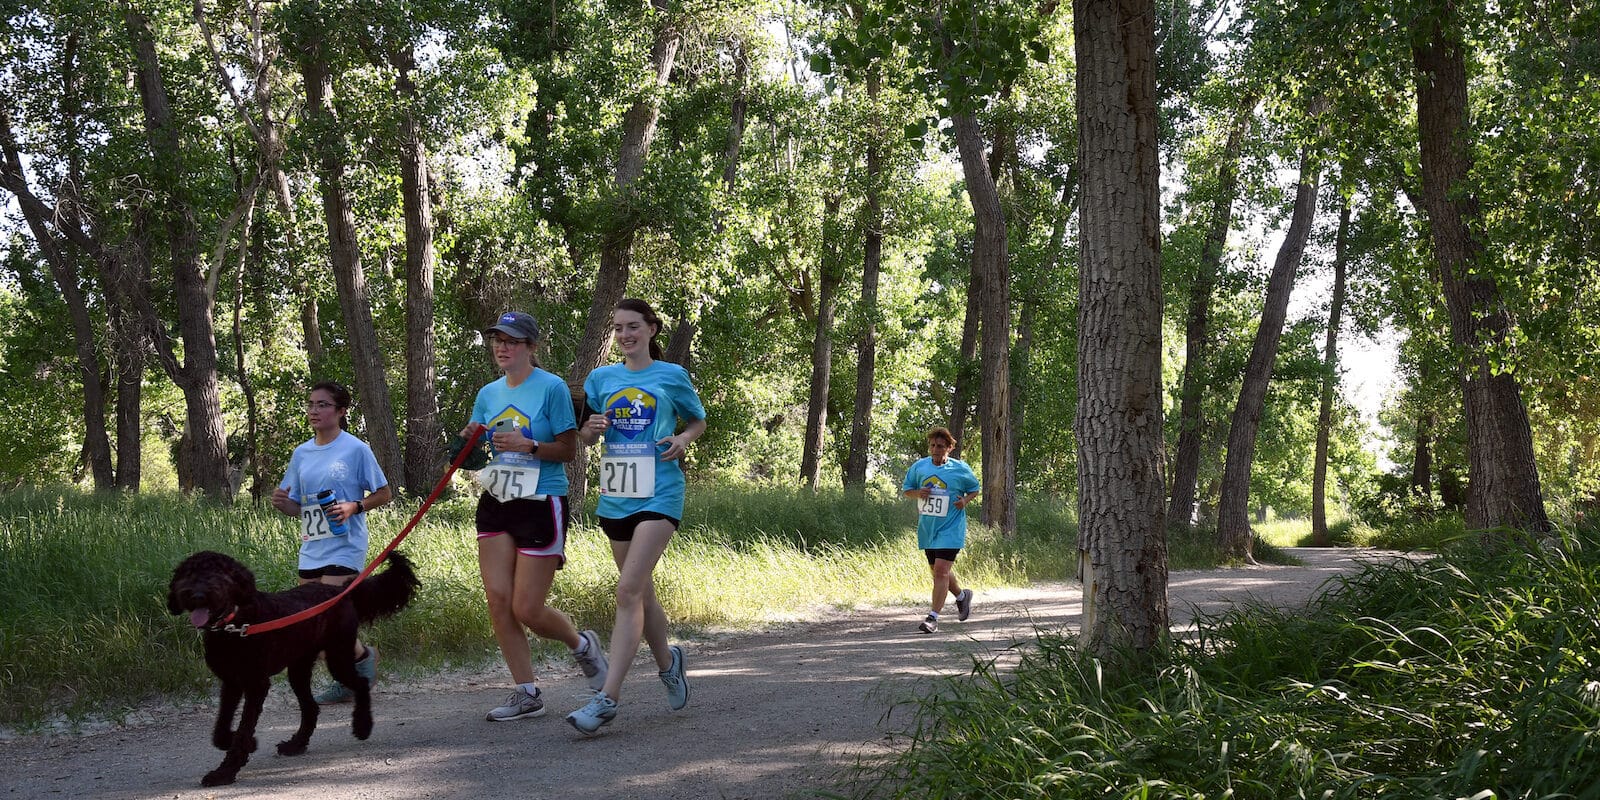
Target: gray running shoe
{"points": [[592, 661], [964, 605], [929, 625], [676, 682], [599, 711], [518, 704]]}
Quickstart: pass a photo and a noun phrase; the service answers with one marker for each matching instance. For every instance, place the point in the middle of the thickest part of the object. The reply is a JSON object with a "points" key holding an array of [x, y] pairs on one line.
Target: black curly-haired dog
{"points": [[219, 594]]}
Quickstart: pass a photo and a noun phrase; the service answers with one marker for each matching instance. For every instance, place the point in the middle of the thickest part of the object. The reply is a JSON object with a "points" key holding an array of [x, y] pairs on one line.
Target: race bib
{"points": [[314, 524], [506, 483], [934, 505], [628, 476]]}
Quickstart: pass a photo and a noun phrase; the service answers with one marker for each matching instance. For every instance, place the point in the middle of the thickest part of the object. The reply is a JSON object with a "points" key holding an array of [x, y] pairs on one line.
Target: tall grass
{"points": [[84, 628], [1470, 675]]}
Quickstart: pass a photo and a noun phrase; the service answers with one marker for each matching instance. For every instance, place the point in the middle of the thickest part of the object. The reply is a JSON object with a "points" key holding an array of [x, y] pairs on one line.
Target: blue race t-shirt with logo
{"points": [[345, 465], [953, 478], [542, 406], [644, 407]]}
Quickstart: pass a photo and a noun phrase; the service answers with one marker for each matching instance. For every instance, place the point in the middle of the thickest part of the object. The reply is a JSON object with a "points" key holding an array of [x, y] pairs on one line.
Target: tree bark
{"points": [[1186, 463], [961, 393], [1330, 377], [822, 346], [205, 452], [1502, 477], [1122, 548], [1422, 457], [424, 446], [616, 252], [344, 251], [1233, 508], [855, 465]]}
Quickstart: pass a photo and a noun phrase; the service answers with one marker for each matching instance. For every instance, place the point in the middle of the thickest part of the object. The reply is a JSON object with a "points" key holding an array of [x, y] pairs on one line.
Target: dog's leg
{"points": [[244, 739], [342, 665], [300, 682], [227, 704]]}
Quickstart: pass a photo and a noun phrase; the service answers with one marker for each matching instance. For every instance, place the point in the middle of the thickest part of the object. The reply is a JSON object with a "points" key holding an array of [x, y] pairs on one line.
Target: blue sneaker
{"points": [[336, 692], [600, 710], [676, 682]]}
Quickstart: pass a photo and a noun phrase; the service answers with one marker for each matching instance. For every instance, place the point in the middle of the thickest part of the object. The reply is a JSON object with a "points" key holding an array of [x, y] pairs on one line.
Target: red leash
{"points": [[283, 622]]}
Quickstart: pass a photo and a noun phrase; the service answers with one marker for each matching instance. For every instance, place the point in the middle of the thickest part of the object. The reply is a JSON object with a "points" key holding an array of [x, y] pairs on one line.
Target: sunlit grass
{"points": [[84, 627], [1470, 676]]}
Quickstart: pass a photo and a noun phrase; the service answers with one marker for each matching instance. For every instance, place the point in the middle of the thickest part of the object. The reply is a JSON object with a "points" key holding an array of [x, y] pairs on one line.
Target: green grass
{"points": [[84, 628], [1472, 675]]}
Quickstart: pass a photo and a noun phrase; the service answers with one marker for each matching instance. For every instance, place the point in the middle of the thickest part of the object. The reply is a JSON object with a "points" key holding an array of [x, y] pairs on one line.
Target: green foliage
{"points": [[1466, 676]]}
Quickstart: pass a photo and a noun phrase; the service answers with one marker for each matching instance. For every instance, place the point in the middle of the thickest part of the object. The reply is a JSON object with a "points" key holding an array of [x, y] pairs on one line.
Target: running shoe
{"points": [[929, 625], [599, 711], [336, 692], [592, 660], [964, 605], [676, 681], [518, 705]]}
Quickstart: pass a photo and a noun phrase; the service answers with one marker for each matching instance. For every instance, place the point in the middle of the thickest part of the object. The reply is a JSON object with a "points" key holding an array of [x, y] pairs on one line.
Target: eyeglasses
{"points": [[319, 405], [501, 341]]}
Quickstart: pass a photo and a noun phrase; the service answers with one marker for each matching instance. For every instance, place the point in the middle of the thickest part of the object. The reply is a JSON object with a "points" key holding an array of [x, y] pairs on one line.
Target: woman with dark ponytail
{"points": [[333, 528], [637, 405]]}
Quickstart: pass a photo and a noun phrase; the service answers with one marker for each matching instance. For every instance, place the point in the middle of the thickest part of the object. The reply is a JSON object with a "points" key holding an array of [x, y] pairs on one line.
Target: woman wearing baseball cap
{"points": [[522, 514]]}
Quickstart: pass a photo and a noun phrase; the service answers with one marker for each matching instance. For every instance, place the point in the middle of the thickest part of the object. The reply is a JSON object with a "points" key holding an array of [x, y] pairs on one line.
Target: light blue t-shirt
{"points": [[542, 406], [644, 407], [951, 480], [345, 465]]}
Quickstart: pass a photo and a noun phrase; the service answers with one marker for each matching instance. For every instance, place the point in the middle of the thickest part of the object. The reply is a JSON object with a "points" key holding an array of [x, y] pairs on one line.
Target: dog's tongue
{"points": [[199, 617]]}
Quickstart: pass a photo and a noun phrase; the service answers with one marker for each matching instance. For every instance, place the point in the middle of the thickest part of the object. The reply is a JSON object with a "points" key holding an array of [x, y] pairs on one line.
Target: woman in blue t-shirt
{"points": [[333, 529], [522, 514], [637, 406]]}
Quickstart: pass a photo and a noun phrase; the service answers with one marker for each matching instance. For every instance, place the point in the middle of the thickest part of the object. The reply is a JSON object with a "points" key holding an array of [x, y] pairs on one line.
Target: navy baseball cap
{"points": [[517, 325]]}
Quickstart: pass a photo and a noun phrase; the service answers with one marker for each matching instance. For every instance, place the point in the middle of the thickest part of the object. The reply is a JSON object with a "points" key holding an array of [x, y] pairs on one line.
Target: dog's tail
{"points": [[385, 593]]}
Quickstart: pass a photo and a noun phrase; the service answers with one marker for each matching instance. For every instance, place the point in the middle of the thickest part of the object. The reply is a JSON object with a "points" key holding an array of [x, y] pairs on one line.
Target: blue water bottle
{"points": [[326, 498]]}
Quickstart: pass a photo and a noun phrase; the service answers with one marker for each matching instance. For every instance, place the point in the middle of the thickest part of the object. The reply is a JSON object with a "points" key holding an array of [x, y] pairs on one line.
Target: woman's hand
{"points": [[512, 442], [676, 447], [282, 502], [593, 428]]}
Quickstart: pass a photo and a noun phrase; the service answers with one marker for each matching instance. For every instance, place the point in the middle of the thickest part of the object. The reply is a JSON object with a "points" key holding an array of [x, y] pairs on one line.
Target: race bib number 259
{"points": [[934, 505]]}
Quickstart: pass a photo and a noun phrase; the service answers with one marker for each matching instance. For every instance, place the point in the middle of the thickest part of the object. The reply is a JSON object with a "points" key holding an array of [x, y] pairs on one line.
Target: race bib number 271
{"points": [[628, 476]]}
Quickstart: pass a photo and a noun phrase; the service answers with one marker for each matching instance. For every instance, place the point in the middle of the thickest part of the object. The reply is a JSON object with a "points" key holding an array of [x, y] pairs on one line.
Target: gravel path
{"points": [[773, 714]]}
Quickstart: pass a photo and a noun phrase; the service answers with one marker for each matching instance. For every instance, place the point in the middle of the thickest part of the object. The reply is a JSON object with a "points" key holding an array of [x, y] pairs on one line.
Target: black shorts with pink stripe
{"points": [[536, 527]]}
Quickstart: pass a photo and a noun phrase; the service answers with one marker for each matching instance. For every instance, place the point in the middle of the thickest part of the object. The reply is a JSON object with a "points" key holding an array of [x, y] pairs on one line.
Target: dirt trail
{"points": [[773, 714]]}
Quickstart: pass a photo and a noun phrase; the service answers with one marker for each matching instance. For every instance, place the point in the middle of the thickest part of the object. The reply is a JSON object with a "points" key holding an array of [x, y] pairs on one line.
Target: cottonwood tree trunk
{"points": [[424, 446], [961, 392], [990, 259], [344, 251], [1186, 463], [267, 132], [822, 345], [1502, 476], [1422, 457], [855, 465], [1330, 377], [1122, 547], [616, 251], [1233, 508], [96, 442], [205, 452]]}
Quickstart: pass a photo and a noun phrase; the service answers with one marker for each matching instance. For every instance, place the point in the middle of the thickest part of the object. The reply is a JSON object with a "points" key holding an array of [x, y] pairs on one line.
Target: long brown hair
{"points": [[643, 309]]}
